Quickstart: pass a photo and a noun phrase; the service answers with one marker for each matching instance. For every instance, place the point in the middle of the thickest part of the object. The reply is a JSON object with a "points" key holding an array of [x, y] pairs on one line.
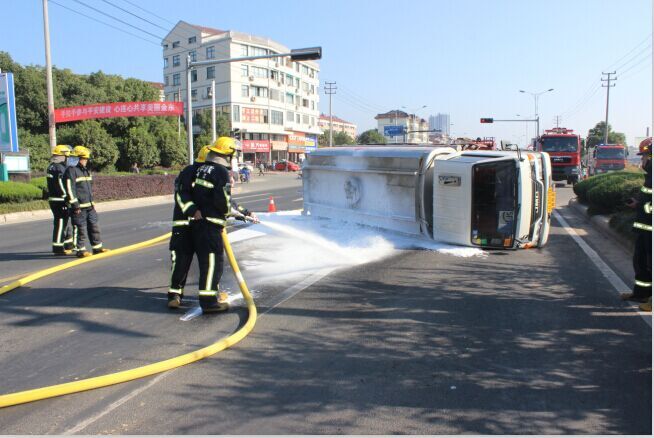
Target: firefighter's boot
{"points": [[174, 300], [100, 250], [83, 254], [215, 304]]}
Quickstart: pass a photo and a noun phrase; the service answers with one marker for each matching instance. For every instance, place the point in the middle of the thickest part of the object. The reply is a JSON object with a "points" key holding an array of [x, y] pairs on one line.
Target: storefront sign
{"points": [[298, 142], [119, 109], [279, 145], [252, 146]]}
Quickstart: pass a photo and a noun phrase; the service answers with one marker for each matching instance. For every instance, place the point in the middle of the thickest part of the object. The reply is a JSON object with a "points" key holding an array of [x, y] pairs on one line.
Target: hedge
{"points": [[42, 184], [134, 186], [19, 192], [608, 193]]}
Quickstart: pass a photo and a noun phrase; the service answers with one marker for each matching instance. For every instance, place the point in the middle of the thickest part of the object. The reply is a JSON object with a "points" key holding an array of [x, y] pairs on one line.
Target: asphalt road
{"points": [[524, 342]]}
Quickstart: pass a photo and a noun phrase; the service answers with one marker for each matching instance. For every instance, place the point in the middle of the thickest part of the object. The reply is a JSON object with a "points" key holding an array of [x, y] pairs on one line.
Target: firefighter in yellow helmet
{"points": [[211, 194], [642, 260], [79, 189], [181, 242], [62, 239]]}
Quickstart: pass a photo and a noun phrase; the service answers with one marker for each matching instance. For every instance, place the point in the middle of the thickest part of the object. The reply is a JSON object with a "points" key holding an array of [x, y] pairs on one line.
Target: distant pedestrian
{"points": [[642, 260], [262, 168], [135, 168]]}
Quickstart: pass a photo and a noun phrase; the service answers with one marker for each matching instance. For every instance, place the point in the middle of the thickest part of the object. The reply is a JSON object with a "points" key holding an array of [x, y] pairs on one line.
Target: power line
{"points": [[149, 12], [102, 22], [629, 52], [636, 72], [633, 57], [117, 19], [134, 15], [637, 63]]}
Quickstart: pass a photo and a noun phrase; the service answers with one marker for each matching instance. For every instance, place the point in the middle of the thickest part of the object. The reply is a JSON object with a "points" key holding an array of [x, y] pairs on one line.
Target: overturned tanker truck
{"points": [[488, 199]]}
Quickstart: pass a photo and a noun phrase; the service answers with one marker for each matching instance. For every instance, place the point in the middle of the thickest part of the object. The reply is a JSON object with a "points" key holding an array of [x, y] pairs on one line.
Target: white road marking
{"points": [[608, 273], [298, 200], [84, 424]]}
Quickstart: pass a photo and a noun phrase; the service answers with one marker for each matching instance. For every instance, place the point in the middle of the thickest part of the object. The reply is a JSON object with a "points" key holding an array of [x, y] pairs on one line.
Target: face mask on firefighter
{"points": [[72, 161]]}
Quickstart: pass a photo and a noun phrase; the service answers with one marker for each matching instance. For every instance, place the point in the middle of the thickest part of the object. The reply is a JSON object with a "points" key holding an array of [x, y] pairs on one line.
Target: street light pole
{"points": [[213, 110], [536, 116], [48, 78], [189, 111]]}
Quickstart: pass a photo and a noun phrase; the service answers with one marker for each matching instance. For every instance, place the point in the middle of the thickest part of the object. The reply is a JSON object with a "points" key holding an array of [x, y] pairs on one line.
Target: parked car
{"points": [[287, 165]]}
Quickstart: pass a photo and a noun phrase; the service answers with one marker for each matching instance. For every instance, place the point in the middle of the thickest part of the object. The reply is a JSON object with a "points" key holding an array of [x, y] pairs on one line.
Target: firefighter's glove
{"points": [[253, 218], [197, 215]]}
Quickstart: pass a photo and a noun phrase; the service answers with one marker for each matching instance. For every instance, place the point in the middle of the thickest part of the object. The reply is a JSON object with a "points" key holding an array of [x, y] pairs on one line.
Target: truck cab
{"points": [[608, 158], [564, 149]]}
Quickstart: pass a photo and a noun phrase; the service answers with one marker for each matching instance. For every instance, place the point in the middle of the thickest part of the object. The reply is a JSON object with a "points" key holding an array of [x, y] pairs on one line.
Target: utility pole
{"points": [[330, 89], [52, 130], [189, 111], [213, 111], [558, 119], [608, 87], [179, 118]]}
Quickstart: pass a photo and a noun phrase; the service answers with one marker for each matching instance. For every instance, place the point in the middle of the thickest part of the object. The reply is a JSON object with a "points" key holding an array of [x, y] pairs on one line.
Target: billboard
{"points": [[251, 146], [8, 127], [393, 130], [118, 109]]}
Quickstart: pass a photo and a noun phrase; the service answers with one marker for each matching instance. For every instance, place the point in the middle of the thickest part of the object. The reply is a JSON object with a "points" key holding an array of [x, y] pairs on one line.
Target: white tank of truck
{"points": [[488, 199]]}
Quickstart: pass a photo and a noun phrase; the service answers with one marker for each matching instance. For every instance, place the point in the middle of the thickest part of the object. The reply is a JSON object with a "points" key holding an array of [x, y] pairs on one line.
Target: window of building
{"points": [[211, 52], [305, 86], [194, 75], [313, 121], [289, 80], [274, 75], [313, 90], [175, 60], [313, 106], [211, 72], [194, 94], [297, 118], [281, 78], [236, 113], [245, 91], [260, 91], [297, 82], [208, 94], [165, 62], [192, 40], [259, 72], [176, 79], [275, 94], [194, 55], [305, 119], [166, 80], [244, 50], [257, 51], [165, 46], [254, 115], [289, 116], [175, 44], [276, 117], [305, 103], [305, 70], [290, 98], [297, 67], [244, 70]]}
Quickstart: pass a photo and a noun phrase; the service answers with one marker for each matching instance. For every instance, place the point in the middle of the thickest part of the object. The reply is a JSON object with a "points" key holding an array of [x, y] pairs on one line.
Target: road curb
{"points": [[37, 215], [601, 224]]}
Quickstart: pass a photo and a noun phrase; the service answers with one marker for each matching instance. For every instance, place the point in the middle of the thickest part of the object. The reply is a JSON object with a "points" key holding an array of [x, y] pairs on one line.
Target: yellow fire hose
{"points": [[147, 370]]}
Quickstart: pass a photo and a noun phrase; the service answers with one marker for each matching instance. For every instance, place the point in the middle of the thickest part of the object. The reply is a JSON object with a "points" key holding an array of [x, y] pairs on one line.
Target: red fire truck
{"points": [[564, 148], [608, 157]]}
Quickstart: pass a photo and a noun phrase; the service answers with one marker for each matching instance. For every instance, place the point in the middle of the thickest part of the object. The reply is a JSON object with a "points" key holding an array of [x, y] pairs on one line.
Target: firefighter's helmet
{"points": [[81, 152], [61, 149], [202, 154], [223, 146], [645, 147]]}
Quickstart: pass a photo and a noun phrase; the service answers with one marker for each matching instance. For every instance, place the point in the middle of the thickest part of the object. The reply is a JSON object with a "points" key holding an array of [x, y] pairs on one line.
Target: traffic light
{"points": [[306, 54], [486, 120]]}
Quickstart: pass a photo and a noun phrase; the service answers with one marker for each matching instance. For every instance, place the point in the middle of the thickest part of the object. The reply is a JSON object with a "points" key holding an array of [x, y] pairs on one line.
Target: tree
{"points": [[139, 147], [172, 148], [371, 136], [340, 138], [38, 146], [596, 136], [91, 134]]}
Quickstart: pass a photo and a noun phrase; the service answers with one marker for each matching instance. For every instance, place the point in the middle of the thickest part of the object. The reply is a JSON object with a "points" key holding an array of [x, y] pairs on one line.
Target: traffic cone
{"points": [[271, 206]]}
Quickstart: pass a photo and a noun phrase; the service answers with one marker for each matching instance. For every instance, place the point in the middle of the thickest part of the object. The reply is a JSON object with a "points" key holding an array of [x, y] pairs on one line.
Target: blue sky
{"points": [[468, 58]]}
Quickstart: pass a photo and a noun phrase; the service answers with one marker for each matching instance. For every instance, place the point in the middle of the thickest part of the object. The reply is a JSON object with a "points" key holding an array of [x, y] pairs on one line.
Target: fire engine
{"points": [[564, 149]]}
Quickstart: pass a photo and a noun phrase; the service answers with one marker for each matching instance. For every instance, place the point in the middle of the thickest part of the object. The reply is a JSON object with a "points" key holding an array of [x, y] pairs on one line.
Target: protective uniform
{"points": [[643, 228], [181, 242], [211, 194], [79, 188], [62, 239]]}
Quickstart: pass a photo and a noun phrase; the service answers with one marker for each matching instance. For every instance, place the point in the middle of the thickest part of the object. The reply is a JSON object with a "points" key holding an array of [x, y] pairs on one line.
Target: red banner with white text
{"points": [[118, 109]]}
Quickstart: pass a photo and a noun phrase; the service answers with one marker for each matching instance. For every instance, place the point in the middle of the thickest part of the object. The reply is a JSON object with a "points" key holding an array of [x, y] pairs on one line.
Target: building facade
{"points": [[160, 89], [399, 127], [272, 102], [440, 123], [339, 125]]}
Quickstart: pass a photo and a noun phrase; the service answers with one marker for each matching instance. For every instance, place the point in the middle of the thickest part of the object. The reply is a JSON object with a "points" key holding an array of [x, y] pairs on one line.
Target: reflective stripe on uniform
{"points": [[215, 220], [208, 293], [73, 199], [642, 226], [75, 236], [227, 190], [98, 246], [61, 186], [183, 206], [643, 283], [212, 265], [84, 178], [86, 204], [57, 244], [56, 199], [648, 208], [180, 223], [646, 190], [49, 176], [173, 259], [69, 240], [175, 291], [60, 229], [204, 183]]}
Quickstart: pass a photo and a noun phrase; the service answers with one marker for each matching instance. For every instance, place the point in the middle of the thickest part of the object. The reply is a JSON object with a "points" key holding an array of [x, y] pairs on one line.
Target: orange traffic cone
{"points": [[271, 206]]}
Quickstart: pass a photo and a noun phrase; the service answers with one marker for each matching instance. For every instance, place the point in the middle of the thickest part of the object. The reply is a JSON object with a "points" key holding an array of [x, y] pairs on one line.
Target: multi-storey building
{"points": [[408, 128], [273, 102], [440, 123], [339, 125], [160, 89]]}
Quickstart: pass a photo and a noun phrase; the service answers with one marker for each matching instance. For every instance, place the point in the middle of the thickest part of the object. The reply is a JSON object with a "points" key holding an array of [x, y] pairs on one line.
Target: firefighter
{"points": [[642, 260], [79, 189], [181, 242], [62, 239], [211, 194]]}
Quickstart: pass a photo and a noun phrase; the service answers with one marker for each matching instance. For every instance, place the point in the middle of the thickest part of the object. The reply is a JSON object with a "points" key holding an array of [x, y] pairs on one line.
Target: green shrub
{"points": [[612, 179], [19, 192], [42, 184], [611, 195]]}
